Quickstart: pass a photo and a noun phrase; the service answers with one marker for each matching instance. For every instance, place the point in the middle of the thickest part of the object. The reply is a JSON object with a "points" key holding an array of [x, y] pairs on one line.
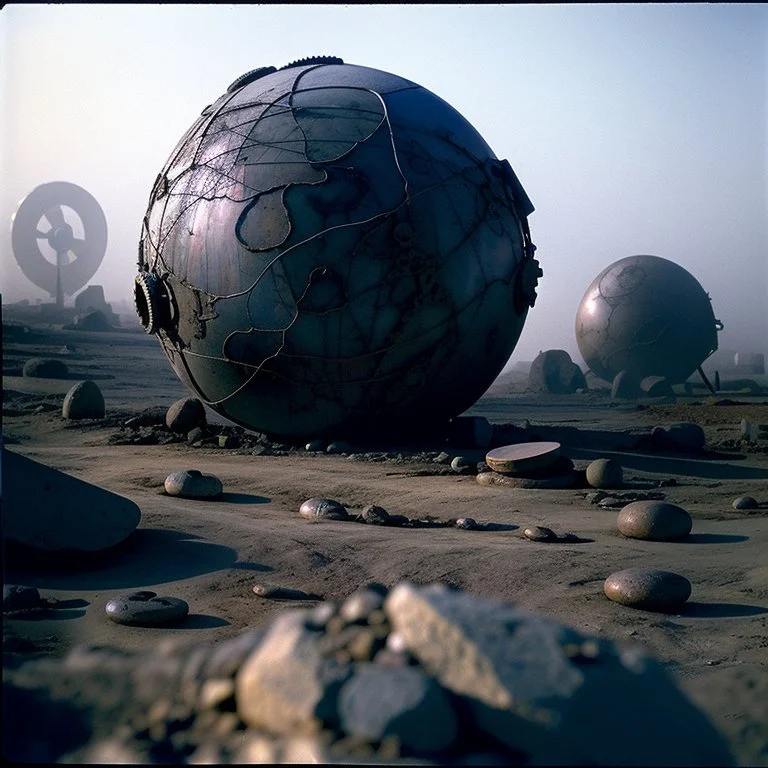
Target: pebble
{"points": [[467, 523], [339, 446], [539, 533], [326, 509], [745, 502], [184, 415], [84, 401], [145, 608], [17, 597], [269, 592], [45, 368], [461, 465], [605, 473], [374, 515], [195, 435], [654, 521], [647, 588], [442, 458], [193, 484]]}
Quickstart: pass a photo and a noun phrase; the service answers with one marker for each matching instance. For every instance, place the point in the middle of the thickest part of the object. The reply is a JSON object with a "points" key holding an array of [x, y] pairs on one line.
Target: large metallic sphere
{"points": [[332, 249], [648, 316]]}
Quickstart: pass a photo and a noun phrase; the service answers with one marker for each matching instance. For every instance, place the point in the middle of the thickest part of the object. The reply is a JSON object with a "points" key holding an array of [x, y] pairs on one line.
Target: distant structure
{"points": [[646, 316], [334, 251], [44, 223]]}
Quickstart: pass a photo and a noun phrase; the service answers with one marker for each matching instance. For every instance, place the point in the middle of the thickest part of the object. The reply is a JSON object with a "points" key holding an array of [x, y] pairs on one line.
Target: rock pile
{"points": [[423, 674]]}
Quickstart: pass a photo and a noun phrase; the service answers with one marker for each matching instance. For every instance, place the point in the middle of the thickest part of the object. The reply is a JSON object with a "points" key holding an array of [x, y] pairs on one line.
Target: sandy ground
{"points": [[212, 553]]}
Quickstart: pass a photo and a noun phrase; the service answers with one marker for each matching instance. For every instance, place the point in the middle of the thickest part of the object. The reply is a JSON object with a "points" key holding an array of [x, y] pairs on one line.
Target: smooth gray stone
{"points": [[375, 515], [84, 401], [539, 533], [17, 597], [745, 502], [339, 446], [529, 684], [461, 465], [193, 484], [554, 371], [605, 473], [323, 509], [654, 521], [45, 368], [145, 608], [625, 387], [647, 588], [403, 702], [184, 415], [52, 511]]}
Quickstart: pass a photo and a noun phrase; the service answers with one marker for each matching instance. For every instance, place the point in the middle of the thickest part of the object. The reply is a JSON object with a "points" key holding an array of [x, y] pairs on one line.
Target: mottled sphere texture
{"points": [[654, 521], [605, 473], [193, 484], [332, 249], [647, 588], [647, 316]]}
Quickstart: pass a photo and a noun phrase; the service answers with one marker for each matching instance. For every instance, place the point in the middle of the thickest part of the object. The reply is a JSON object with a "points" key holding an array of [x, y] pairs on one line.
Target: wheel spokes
{"points": [[56, 216]]}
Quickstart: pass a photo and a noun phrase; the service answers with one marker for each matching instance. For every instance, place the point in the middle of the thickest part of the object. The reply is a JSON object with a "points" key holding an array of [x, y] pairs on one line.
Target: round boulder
{"points": [[184, 415], [539, 533], [17, 597], [193, 484], [84, 401], [745, 502], [647, 588], [605, 473], [654, 521], [554, 371], [323, 509], [625, 386], [656, 386], [45, 368]]}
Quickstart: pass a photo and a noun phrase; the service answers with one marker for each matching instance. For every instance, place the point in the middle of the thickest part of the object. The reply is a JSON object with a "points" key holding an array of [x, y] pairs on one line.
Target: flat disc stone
{"points": [[193, 484], [522, 457], [326, 509], [654, 521], [146, 609], [560, 475], [647, 588]]}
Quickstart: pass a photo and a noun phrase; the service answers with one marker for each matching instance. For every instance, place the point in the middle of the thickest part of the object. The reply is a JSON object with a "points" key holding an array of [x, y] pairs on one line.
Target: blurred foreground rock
{"points": [[428, 676]]}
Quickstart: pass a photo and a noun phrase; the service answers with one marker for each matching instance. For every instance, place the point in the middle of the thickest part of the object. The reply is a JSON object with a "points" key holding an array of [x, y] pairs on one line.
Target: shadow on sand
{"points": [[147, 556], [671, 465], [719, 610], [243, 498], [713, 538]]}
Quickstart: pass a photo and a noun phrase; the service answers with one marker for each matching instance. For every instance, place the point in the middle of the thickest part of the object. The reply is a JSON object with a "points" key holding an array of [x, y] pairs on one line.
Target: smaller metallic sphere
{"points": [[647, 316]]}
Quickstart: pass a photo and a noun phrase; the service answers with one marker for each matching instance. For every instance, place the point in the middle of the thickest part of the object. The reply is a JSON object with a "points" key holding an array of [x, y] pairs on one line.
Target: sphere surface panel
{"points": [[647, 316], [341, 251]]}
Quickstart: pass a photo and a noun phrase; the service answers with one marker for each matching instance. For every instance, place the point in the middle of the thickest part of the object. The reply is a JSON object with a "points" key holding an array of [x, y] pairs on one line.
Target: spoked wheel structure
{"points": [[65, 221]]}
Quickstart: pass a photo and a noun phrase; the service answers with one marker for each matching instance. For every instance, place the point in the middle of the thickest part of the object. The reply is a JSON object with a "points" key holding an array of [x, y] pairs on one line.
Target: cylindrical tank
{"points": [[648, 316], [332, 249]]}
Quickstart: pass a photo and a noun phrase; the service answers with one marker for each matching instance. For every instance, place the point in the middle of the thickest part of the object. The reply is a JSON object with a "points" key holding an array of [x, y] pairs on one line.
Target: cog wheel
{"points": [[310, 60], [249, 77]]}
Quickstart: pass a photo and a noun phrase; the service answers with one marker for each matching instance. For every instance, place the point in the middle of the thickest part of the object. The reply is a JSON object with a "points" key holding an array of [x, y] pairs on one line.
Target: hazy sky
{"points": [[633, 128]]}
